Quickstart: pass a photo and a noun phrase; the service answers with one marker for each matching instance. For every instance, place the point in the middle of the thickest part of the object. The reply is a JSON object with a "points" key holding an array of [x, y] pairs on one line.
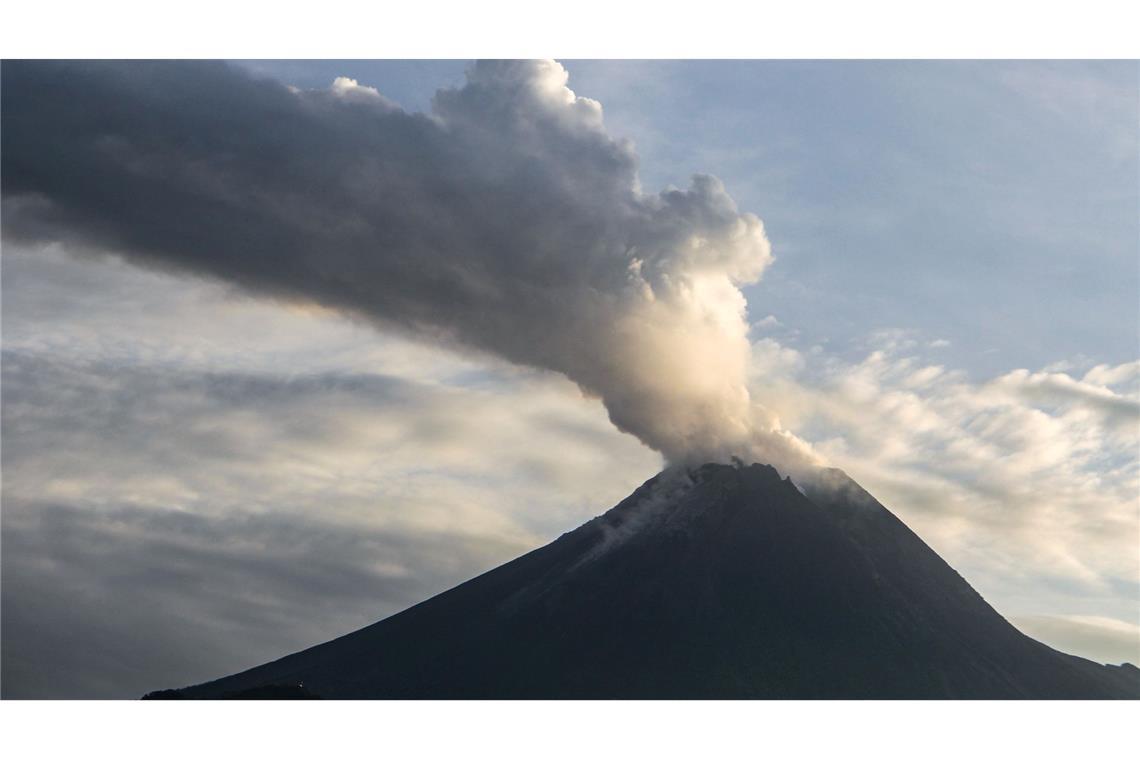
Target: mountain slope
{"points": [[722, 582]]}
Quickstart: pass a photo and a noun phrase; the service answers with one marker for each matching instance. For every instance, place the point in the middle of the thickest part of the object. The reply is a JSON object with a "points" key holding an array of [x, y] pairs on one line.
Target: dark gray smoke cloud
{"points": [[508, 221]]}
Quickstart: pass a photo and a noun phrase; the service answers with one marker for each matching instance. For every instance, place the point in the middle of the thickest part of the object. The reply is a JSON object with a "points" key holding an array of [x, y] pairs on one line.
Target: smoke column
{"points": [[507, 220]]}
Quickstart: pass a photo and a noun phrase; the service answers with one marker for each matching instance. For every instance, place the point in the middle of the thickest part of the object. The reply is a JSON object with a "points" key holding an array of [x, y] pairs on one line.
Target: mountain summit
{"points": [[717, 582]]}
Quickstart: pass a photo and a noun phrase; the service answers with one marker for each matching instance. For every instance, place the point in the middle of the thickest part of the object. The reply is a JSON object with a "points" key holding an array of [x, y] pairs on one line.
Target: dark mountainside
{"points": [[722, 582]]}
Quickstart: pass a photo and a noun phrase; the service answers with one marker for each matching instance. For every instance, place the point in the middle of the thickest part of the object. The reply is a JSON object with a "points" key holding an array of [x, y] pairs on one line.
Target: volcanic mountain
{"points": [[716, 582]]}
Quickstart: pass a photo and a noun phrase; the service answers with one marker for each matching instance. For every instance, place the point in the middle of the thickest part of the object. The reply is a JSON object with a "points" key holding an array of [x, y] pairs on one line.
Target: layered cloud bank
{"points": [[507, 221], [1026, 475]]}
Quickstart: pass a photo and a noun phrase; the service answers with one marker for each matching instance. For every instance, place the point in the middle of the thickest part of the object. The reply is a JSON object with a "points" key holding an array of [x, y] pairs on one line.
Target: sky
{"points": [[212, 459]]}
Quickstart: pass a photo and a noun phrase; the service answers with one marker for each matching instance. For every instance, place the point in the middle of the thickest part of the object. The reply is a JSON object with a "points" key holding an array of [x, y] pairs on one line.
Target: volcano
{"points": [[724, 582]]}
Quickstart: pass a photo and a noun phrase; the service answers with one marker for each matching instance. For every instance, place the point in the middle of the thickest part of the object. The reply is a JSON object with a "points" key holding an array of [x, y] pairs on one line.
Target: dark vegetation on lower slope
{"points": [[720, 582]]}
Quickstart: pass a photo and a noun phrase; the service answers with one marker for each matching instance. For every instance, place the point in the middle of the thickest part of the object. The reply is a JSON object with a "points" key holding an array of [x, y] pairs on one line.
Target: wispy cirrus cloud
{"points": [[195, 480], [1026, 483]]}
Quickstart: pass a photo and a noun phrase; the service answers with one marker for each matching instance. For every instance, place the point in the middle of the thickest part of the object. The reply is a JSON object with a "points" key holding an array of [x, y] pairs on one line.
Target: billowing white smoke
{"points": [[508, 221]]}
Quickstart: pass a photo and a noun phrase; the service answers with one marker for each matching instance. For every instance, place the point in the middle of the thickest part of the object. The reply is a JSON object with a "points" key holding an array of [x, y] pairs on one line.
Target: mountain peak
{"points": [[715, 581]]}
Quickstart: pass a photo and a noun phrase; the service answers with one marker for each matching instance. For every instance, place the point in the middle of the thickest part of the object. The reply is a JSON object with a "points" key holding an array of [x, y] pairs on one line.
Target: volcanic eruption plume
{"points": [[508, 220]]}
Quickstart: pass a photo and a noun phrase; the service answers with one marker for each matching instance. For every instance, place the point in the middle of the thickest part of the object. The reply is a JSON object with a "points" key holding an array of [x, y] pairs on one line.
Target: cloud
{"points": [[1098, 638], [507, 221], [118, 601], [1058, 387], [1086, 93], [1026, 484], [92, 432], [178, 457], [1105, 375], [167, 524]]}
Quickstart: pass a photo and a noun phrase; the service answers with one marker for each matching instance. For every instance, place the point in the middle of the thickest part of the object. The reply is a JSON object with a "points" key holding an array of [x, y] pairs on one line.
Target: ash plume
{"points": [[508, 221]]}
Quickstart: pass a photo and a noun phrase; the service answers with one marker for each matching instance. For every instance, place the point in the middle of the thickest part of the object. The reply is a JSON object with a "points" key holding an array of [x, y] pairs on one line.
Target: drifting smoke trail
{"points": [[508, 221]]}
